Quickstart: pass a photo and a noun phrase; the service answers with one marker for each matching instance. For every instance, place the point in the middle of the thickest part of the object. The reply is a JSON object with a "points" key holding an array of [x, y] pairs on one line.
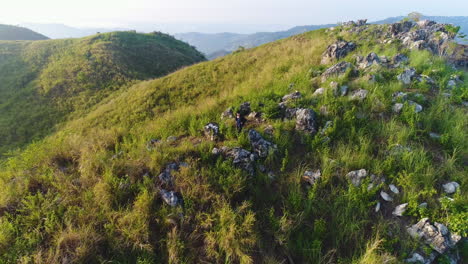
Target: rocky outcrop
{"points": [[337, 70], [436, 235], [407, 76], [337, 51], [356, 177], [306, 120], [367, 61], [293, 96], [212, 131], [260, 146], [241, 158]]}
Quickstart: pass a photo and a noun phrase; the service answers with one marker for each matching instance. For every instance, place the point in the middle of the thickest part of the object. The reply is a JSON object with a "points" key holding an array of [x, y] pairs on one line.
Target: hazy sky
{"points": [[122, 13]]}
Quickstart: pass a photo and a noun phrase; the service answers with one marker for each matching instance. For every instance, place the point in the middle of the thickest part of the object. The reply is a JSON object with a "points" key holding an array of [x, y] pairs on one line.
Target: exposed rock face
{"points": [[336, 70], [171, 198], [260, 146], [336, 51], [211, 131], [437, 236], [306, 120], [359, 94], [311, 177], [240, 157], [451, 187], [244, 108], [407, 76], [369, 60], [292, 96], [400, 209], [357, 176]]}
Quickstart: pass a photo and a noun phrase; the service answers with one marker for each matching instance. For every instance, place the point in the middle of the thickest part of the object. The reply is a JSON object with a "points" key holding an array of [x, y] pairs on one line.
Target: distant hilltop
{"points": [[8, 32]]}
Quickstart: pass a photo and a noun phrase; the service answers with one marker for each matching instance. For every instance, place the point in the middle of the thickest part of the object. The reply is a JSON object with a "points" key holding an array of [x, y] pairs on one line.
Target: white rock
{"points": [[451, 187], [416, 258], [397, 107], [377, 207], [319, 91], [400, 209], [386, 196], [434, 135], [394, 189], [417, 107], [357, 176], [422, 205]]}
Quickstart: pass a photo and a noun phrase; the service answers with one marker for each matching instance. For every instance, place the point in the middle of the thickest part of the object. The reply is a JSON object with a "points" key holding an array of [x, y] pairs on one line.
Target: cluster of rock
{"points": [[358, 23], [337, 51], [166, 183], [241, 158], [423, 34], [401, 97], [259, 145], [211, 131]]}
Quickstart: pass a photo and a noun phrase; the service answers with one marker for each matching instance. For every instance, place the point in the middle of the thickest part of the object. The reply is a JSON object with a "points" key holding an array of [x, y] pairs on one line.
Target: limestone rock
{"points": [[336, 51], [306, 120], [386, 196], [211, 131], [394, 189], [451, 187], [397, 107], [171, 198], [260, 146], [240, 157], [400, 209], [359, 94], [311, 177], [436, 236], [319, 91], [336, 70], [292, 96], [369, 60], [357, 176], [407, 76], [228, 114]]}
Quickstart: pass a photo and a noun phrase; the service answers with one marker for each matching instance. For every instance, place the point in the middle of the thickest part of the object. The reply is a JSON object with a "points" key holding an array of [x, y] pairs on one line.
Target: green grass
{"points": [[44, 83], [84, 194]]}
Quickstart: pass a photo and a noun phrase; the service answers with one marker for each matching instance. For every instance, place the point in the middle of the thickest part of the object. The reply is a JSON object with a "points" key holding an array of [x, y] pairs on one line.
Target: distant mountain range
{"points": [[8, 32], [60, 31], [220, 44]]}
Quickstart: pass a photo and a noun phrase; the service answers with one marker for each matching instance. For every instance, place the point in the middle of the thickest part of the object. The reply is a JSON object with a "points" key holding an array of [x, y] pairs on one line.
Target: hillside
{"points": [[216, 45], [354, 136], [43, 82], [8, 32]]}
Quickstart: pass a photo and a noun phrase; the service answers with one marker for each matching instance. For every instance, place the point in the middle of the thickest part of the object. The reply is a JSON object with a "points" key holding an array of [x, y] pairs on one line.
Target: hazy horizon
{"points": [[209, 15]]}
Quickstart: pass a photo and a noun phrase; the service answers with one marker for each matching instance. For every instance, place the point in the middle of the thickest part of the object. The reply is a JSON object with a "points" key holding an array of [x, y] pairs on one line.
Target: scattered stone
{"points": [[422, 205], [336, 51], [399, 96], [260, 146], [434, 135], [437, 236], [343, 90], [336, 70], [386, 196], [451, 187], [397, 108], [401, 27], [319, 91], [244, 108], [293, 96], [228, 114], [166, 176], [407, 76], [269, 130], [357, 176], [400, 209], [240, 157], [359, 94], [254, 115], [306, 120], [394, 189], [417, 107], [212, 131], [312, 177], [171, 198], [152, 144], [377, 207], [399, 59], [327, 125], [375, 181], [216, 151], [369, 60]]}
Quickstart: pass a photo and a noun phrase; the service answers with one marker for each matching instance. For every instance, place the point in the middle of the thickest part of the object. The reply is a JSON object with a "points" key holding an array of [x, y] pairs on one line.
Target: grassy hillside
{"points": [[42, 82], [90, 193], [8, 32]]}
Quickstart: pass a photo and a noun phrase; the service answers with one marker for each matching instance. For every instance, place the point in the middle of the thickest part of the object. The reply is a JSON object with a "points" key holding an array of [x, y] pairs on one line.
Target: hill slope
{"points": [[8, 32], [42, 82], [136, 180]]}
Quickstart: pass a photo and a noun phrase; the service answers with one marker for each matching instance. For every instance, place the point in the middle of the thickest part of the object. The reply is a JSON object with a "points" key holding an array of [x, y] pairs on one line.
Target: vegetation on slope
{"points": [[42, 82], [8, 32], [89, 193]]}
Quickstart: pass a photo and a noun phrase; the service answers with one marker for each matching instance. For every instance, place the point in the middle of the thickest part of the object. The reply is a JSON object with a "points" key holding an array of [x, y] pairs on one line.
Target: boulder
{"points": [[292, 96], [407, 76], [451, 187], [228, 114], [171, 198], [260, 146], [311, 177], [437, 236], [336, 70], [336, 51], [369, 60], [244, 108], [359, 94], [400, 209], [386, 196], [212, 131], [357, 176], [306, 120]]}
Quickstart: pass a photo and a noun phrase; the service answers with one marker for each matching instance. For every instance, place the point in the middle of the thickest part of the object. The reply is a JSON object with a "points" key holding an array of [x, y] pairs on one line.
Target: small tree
{"points": [[415, 16]]}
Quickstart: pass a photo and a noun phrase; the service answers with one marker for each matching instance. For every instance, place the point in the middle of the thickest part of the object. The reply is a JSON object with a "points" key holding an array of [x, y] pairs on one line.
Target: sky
{"points": [[250, 13]]}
